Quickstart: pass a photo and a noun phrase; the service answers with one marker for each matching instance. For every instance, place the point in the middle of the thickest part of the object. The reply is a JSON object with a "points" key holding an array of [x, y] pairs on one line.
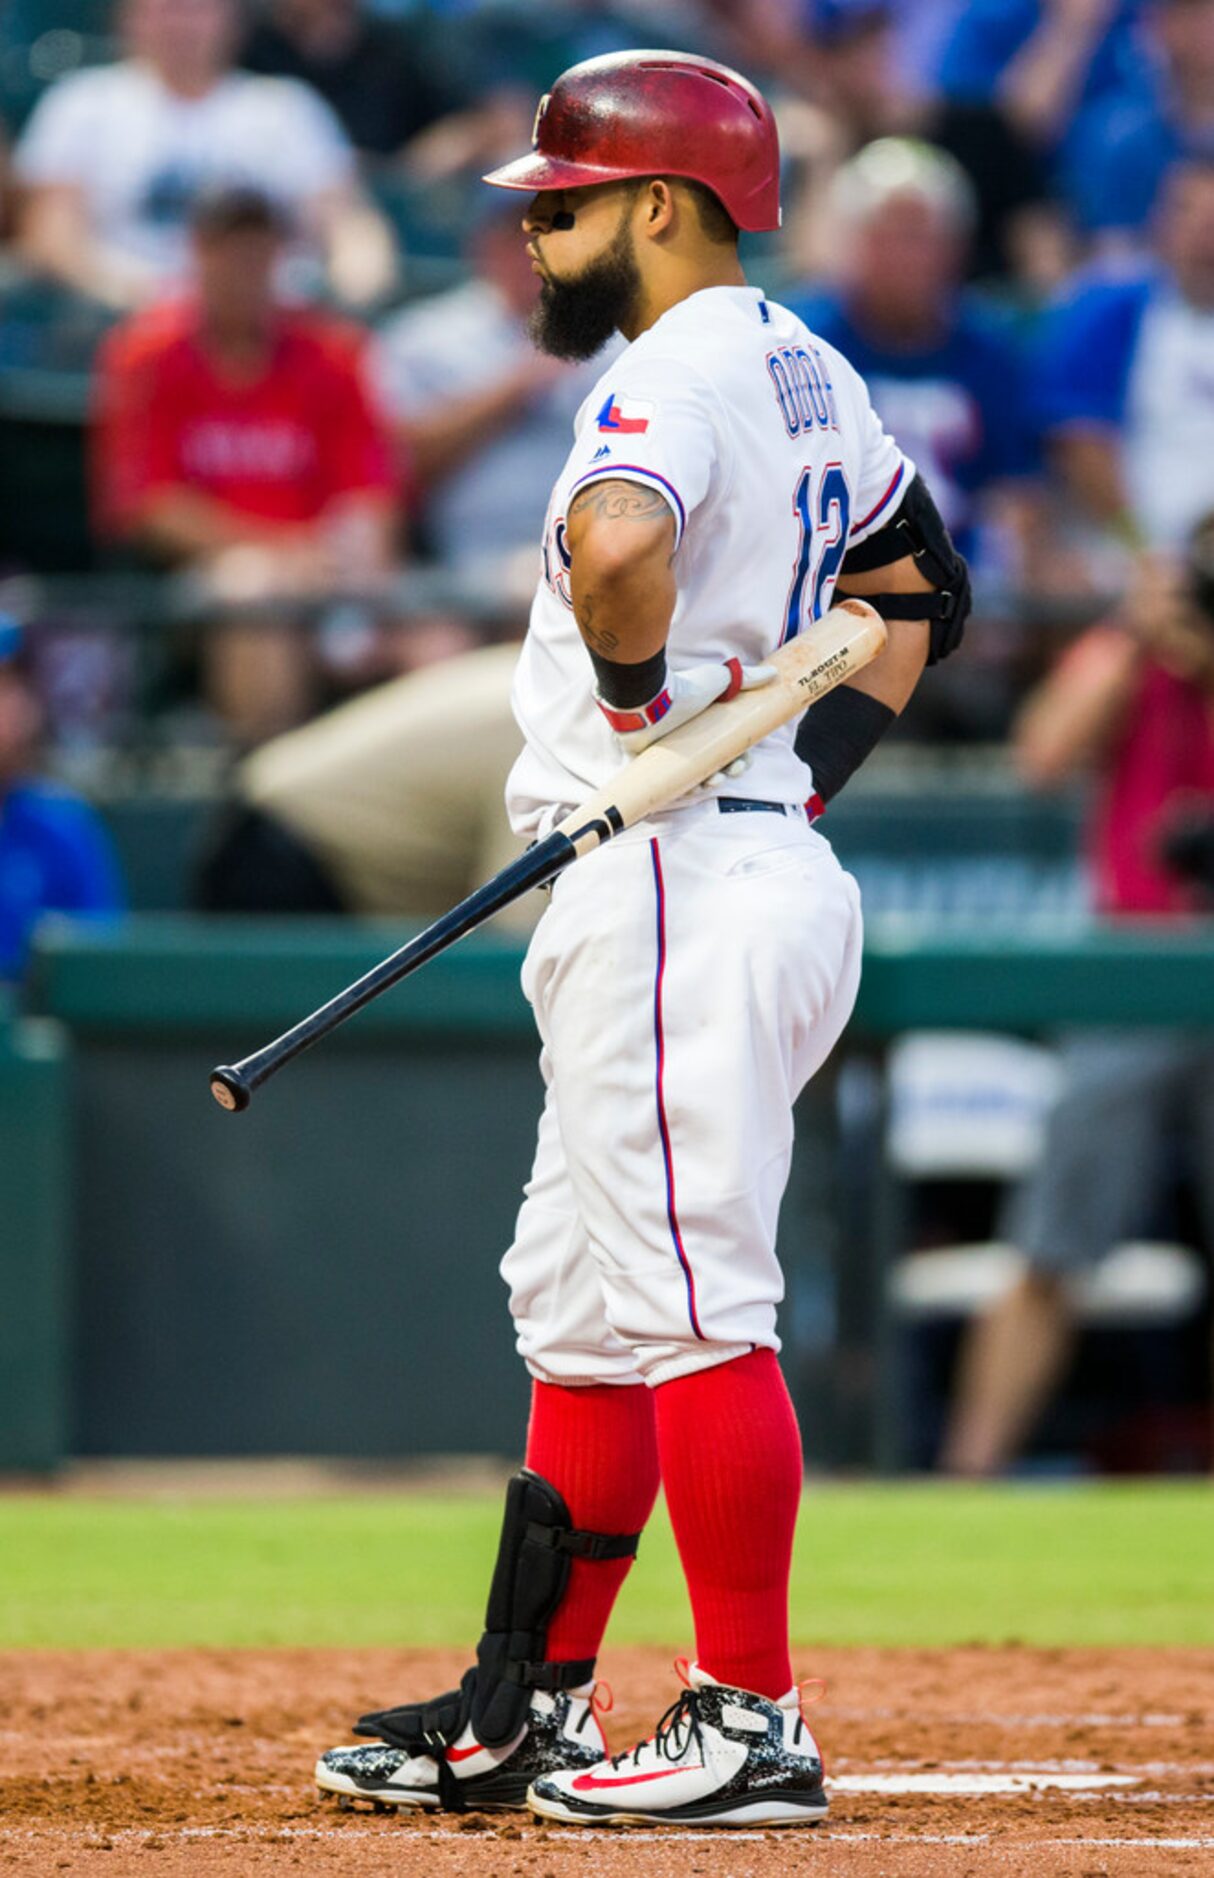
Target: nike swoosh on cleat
{"points": [[462, 1754], [586, 1783]]}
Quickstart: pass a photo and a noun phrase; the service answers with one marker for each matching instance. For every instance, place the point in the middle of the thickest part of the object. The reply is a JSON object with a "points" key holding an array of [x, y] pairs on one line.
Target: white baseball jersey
{"points": [[762, 439]]}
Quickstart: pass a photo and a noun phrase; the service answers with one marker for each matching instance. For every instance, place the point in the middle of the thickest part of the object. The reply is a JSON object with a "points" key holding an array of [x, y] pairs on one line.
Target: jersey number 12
{"points": [[824, 516]]}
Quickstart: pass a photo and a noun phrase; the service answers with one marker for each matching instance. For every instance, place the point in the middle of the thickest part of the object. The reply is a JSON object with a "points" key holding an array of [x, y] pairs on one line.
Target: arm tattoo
{"points": [[621, 502], [600, 638], [614, 501]]}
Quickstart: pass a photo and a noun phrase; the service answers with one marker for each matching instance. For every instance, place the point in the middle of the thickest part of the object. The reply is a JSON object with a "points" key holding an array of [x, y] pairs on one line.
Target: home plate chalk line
{"points": [[583, 1835], [1033, 1781], [1079, 1779]]}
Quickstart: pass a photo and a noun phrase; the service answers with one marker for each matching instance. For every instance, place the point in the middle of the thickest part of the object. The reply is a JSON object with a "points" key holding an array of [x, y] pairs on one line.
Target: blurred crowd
{"points": [[257, 227], [250, 239]]}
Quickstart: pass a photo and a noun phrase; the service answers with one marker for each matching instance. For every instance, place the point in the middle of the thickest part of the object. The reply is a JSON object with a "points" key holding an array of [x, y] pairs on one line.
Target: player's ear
{"points": [[657, 206]]}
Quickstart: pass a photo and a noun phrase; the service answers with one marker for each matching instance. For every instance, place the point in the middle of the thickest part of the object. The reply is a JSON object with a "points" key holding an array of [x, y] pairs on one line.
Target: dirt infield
{"points": [[1054, 1763]]}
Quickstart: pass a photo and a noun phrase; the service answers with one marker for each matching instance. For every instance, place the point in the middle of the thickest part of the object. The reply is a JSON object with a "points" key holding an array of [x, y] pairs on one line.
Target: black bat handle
{"points": [[233, 1084]]}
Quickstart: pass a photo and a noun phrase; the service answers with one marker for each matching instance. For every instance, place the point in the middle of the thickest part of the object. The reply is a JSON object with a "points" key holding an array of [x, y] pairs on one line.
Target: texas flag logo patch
{"points": [[626, 416]]}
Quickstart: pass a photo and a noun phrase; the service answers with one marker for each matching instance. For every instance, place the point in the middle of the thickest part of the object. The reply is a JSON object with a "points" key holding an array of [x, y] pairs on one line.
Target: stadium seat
{"points": [[1142, 1283], [970, 1107]]}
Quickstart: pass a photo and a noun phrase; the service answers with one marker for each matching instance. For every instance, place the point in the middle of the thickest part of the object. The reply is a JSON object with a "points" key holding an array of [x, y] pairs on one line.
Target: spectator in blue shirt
{"points": [[943, 371], [1123, 147], [850, 67], [1126, 379], [945, 376], [54, 853], [1042, 61]]}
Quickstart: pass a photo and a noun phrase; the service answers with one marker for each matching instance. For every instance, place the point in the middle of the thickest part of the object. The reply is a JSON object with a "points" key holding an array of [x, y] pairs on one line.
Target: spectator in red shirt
{"points": [[1132, 703], [234, 436], [1148, 695]]}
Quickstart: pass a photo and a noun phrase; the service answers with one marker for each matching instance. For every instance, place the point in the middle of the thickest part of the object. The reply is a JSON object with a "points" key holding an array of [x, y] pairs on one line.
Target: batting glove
{"points": [[684, 695]]}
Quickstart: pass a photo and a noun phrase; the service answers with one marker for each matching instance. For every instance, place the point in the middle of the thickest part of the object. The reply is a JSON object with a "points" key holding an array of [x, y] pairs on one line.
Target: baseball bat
{"points": [[838, 647]]}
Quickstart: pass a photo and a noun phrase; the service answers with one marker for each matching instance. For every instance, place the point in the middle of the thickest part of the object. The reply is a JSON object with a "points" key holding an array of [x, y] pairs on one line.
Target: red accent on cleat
{"points": [[585, 1783]]}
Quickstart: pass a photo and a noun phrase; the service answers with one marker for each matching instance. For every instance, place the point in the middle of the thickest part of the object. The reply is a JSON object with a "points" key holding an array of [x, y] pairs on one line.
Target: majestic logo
{"points": [[628, 416], [603, 450]]}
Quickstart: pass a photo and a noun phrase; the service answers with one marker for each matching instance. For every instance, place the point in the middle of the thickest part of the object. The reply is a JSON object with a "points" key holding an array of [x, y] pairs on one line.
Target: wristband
{"points": [[629, 687], [643, 718]]}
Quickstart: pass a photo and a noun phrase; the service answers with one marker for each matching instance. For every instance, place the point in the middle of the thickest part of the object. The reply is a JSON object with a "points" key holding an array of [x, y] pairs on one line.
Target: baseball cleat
{"points": [[561, 1731], [718, 1757]]}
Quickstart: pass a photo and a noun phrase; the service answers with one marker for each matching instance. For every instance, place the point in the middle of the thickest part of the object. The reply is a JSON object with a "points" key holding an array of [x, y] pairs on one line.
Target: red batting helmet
{"points": [[656, 114]]}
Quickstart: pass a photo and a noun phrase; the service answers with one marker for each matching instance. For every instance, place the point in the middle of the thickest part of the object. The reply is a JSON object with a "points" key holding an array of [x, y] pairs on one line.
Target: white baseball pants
{"points": [[687, 981]]}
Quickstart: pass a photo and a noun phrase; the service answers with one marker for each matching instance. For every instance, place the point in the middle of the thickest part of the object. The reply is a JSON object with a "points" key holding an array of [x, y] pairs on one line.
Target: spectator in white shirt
{"points": [[113, 157]]}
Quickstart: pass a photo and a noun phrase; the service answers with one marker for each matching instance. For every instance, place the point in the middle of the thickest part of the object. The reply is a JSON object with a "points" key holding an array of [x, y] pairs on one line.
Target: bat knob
{"points": [[230, 1089]]}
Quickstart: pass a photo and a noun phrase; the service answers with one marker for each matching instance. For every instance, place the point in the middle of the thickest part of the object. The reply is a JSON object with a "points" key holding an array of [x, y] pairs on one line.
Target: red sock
{"points": [[598, 1448], [731, 1468]]}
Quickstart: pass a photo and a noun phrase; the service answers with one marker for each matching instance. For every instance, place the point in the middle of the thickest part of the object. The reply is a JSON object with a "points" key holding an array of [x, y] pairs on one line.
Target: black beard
{"points": [[574, 319]]}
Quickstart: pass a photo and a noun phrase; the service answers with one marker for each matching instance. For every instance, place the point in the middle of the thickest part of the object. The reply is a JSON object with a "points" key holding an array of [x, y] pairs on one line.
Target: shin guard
{"points": [[537, 1545]]}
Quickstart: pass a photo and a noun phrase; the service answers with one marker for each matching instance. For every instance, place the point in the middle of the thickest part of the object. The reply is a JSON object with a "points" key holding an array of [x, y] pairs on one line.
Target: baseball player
{"points": [[727, 471]]}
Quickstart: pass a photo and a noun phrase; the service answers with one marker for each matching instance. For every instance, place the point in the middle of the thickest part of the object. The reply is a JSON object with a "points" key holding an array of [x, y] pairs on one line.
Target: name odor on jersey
{"points": [[806, 400]]}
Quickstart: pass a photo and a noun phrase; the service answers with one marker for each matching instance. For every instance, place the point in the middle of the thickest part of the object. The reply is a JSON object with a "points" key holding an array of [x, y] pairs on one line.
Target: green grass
{"points": [[916, 1565]]}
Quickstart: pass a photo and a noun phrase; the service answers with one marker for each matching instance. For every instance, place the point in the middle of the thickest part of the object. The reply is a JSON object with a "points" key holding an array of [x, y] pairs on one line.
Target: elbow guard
{"points": [[918, 529]]}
